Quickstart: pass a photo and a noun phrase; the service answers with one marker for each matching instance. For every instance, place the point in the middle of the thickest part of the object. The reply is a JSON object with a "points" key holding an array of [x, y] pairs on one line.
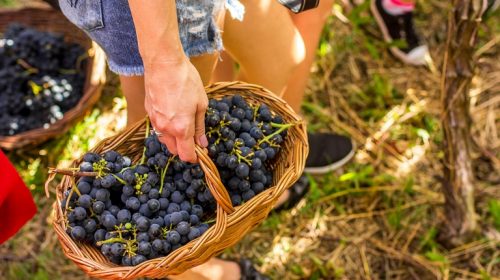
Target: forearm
{"points": [[157, 30]]}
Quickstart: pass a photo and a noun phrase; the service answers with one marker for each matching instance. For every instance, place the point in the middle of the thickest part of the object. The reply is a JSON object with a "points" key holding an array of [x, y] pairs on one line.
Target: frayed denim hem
{"points": [[201, 49], [205, 48], [126, 70]]}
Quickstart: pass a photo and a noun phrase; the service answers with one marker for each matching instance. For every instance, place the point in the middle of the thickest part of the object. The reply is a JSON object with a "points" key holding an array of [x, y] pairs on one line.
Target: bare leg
{"points": [[310, 25], [225, 70], [133, 90], [266, 44], [205, 65], [213, 269]]}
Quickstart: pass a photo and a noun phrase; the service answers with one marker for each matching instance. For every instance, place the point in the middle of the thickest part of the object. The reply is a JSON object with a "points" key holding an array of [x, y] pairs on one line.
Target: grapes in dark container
{"points": [[41, 78]]}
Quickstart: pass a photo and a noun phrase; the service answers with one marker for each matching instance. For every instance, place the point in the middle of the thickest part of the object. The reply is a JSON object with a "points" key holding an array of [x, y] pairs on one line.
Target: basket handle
{"points": [[213, 180]]}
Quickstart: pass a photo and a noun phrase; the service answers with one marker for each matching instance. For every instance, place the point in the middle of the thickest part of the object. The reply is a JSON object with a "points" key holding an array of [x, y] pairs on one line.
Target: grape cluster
{"points": [[244, 140], [138, 212], [41, 78]]}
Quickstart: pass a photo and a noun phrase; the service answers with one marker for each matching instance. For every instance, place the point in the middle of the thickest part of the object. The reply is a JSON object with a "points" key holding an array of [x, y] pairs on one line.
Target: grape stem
{"points": [[164, 172], [119, 179], [112, 240], [75, 188], [27, 66], [281, 128], [210, 221], [281, 125], [255, 109], [240, 157], [237, 152], [73, 172], [143, 158]]}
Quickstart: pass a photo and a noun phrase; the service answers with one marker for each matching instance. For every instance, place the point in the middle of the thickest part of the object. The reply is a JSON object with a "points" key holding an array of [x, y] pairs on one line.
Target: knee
{"points": [[294, 58], [298, 51], [276, 74]]}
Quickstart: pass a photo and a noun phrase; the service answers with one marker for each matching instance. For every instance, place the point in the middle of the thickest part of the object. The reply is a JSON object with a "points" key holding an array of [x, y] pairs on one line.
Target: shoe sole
{"points": [[381, 24], [334, 166]]}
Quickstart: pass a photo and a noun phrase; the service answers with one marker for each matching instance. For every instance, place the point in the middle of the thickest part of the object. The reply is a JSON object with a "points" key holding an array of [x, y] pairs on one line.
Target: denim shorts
{"points": [[109, 23]]}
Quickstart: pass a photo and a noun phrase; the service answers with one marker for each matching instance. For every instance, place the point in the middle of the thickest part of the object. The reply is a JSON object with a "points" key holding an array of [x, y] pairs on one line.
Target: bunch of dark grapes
{"points": [[41, 78], [244, 140], [138, 212]]}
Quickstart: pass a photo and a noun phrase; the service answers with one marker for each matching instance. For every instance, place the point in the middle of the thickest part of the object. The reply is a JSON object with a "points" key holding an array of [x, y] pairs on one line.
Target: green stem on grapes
{"points": [[130, 167], [240, 158], [255, 109], [164, 172], [224, 123], [119, 179], [281, 129], [271, 144], [237, 152], [112, 240], [287, 125], [210, 221], [215, 130], [131, 247], [164, 232], [143, 158], [75, 188], [25, 65], [92, 214]]}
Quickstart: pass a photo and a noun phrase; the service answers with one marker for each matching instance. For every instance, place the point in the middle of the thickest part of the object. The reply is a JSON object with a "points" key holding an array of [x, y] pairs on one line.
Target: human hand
{"points": [[176, 103]]}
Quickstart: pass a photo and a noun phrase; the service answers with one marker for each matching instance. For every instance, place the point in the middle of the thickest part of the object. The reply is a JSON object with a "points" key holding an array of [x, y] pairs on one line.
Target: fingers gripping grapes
{"points": [[176, 104]]}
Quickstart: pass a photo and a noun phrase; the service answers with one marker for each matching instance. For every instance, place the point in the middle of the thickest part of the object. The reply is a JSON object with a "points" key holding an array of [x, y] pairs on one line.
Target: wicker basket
{"points": [[232, 223], [46, 19]]}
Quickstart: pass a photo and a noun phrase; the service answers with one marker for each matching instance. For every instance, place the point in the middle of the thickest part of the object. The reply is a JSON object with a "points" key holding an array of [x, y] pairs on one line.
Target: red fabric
{"points": [[16, 204]]}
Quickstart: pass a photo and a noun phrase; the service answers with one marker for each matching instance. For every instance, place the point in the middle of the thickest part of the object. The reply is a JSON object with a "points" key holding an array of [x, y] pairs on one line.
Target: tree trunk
{"points": [[459, 64]]}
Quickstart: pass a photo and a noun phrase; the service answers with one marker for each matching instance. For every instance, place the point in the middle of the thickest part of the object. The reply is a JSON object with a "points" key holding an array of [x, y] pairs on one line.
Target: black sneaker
{"points": [[401, 27], [328, 152]]}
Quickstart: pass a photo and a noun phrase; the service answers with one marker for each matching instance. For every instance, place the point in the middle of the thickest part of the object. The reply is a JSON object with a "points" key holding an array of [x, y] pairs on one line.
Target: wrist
{"points": [[167, 55]]}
